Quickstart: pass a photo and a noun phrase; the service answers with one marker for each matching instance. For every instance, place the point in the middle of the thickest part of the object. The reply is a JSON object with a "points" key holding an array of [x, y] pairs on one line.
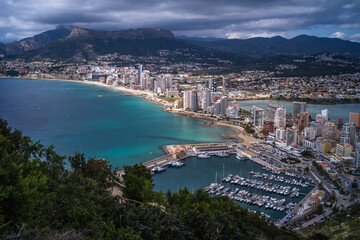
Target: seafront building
{"points": [[258, 116], [302, 121], [355, 118], [280, 117], [270, 112], [325, 114], [232, 112], [298, 108], [140, 69], [193, 101], [206, 100]]}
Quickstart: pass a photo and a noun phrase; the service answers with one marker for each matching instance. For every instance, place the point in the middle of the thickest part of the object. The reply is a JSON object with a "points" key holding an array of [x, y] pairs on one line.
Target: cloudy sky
{"points": [[202, 18]]}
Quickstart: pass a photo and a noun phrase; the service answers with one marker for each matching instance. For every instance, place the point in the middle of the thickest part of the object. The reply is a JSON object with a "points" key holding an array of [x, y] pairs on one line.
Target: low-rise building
{"points": [[344, 150]]}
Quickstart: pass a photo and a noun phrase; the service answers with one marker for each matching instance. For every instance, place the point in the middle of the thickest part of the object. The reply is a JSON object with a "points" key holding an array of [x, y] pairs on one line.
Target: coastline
{"points": [[240, 135], [149, 96]]}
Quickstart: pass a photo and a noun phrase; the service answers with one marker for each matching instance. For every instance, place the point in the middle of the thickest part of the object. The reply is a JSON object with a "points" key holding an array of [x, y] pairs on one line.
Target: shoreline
{"points": [[149, 96], [162, 102], [240, 132]]}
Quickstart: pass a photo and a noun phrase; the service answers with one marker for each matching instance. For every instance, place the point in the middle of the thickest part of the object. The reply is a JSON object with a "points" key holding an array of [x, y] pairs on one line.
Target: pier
{"points": [[159, 162]]}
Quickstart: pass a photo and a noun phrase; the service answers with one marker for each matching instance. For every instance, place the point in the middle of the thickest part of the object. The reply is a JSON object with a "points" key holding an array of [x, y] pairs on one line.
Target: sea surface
{"points": [[74, 117]]}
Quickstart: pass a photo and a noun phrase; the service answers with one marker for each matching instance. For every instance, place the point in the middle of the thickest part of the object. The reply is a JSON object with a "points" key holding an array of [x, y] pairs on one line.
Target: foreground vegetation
{"points": [[343, 225], [40, 198]]}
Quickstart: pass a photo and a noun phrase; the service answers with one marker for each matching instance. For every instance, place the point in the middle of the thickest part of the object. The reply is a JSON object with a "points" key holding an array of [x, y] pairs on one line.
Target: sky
{"points": [[197, 18]]}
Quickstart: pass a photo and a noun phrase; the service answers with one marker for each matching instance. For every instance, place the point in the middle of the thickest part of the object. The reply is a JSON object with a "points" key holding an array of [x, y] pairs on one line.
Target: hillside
{"points": [[265, 47], [2, 50], [159, 45], [37, 41], [342, 225]]}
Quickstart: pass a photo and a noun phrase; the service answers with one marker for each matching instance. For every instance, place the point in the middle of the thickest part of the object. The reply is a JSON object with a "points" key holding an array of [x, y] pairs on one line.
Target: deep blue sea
{"points": [[123, 129]]}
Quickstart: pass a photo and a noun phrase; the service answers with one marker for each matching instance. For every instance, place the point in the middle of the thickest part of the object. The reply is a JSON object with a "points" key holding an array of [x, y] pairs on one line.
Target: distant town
{"points": [[323, 152]]}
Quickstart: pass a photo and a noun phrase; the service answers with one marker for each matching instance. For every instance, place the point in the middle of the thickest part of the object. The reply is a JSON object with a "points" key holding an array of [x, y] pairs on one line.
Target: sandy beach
{"points": [[241, 135], [147, 95]]}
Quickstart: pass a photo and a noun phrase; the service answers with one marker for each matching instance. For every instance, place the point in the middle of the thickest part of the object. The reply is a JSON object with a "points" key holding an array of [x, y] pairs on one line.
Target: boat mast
{"points": [[223, 170]]}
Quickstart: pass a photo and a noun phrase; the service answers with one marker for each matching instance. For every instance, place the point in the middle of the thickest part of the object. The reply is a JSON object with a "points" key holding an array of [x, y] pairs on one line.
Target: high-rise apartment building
{"points": [[325, 114], [348, 133], [280, 134], [302, 121], [270, 112], [329, 130], [226, 84], [193, 101], [318, 127], [280, 117], [224, 104], [298, 108], [213, 85], [355, 118], [258, 116], [310, 133], [206, 100], [291, 136], [140, 69]]}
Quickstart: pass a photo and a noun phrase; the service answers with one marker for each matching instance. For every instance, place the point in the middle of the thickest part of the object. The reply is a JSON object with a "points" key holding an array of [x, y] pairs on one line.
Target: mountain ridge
{"points": [[140, 33], [265, 47], [37, 41], [68, 41]]}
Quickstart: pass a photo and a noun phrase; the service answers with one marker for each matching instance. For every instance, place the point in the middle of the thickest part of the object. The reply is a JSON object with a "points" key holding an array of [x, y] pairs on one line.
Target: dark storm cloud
{"points": [[227, 18]]}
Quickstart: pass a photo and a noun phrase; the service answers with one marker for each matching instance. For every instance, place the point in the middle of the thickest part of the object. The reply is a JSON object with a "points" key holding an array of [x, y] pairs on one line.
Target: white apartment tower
{"points": [[280, 117], [258, 116]]}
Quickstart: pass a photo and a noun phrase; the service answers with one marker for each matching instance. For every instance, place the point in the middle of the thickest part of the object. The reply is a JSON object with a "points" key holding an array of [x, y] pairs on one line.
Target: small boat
{"points": [[222, 154], [157, 170], [175, 164], [239, 157], [100, 96], [203, 156]]}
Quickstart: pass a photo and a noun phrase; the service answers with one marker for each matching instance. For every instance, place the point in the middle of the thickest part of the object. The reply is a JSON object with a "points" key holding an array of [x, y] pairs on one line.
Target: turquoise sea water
{"points": [[122, 129]]}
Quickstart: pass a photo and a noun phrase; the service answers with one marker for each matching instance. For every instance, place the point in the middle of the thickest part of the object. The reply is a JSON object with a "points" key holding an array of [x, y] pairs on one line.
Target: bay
{"points": [[72, 116]]}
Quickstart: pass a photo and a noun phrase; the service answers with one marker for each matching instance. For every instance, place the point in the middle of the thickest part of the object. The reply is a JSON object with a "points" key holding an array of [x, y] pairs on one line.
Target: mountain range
{"points": [[266, 47], [70, 42]]}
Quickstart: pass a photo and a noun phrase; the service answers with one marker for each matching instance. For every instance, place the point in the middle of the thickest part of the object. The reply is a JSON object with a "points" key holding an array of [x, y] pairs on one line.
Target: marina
{"points": [[237, 180]]}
